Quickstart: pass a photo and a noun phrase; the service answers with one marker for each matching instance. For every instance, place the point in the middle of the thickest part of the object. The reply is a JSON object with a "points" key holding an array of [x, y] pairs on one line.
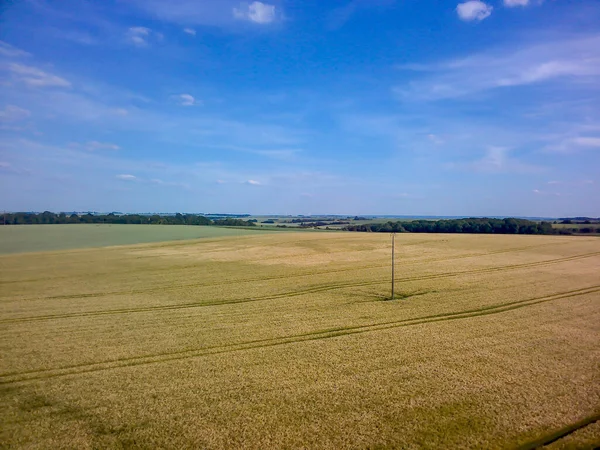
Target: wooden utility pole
{"points": [[393, 248]]}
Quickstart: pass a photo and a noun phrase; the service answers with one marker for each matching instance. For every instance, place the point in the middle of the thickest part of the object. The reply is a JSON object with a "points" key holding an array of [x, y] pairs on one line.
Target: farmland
{"points": [[287, 340], [31, 238]]}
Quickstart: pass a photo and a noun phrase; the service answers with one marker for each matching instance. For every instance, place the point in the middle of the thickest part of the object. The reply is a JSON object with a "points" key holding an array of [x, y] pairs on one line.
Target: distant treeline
{"points": [[471, 225], [23, 218]]}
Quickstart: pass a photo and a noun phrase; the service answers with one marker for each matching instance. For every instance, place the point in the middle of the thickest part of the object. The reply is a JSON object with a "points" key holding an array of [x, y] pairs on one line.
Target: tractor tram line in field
{"points": [[42, 374], [557, 435], [295, 293], [269, 278], [489, 338]]}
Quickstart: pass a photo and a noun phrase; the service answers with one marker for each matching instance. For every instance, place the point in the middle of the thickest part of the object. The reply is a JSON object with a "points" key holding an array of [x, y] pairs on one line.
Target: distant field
{"points": [[286, 340], [578, 226], [36, 238]]}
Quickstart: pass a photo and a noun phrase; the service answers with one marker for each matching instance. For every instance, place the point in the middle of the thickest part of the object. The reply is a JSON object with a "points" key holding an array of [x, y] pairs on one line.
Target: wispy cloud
{"points": [[571, 183], [542, 192], [473, 10], [12, 113], [190, 31], [575, 144], [253, 182], [126, 177], [257, 12], [575, 58], [435, 139], [586, 141], [283, 154], [514, 3], [76, 36], [95, 145], [159, 182], [10, 51], [141, 36], [221, 13], [497, 160], [34, 77], [119, 111], [6, 167], [138, 35], [339, 16], [186, 100]]}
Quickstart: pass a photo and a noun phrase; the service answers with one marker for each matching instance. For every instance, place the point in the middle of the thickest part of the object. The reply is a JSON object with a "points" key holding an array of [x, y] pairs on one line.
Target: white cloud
{"points": [[340, 15], [190, 31], [572, 183], [435, 139], [95, 145], [576, 58], [10, 51], [32, 76], [283, 154], [79, 37], [119, 112], [514, 3], [139, 35], [473, 10], [253, 182], [497, 160], [587, 141], [12, 113], [256, 12], [187, 100], [539, 192], [142, 31], [215, 13], [126, 177], [8, 168], [159, 182], [574, 144]]}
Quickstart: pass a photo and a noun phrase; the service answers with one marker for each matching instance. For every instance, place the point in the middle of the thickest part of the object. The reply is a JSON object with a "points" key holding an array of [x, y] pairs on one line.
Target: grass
{"points": [[287, 340], [35, 238]]}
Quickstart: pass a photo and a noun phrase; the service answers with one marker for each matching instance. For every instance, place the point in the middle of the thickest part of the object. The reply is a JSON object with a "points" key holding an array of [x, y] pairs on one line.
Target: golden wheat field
{"points": [[287, 341]]}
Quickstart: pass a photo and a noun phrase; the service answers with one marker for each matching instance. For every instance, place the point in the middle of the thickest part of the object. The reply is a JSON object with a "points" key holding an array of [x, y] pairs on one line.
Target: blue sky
{"points": [[415, 107]]}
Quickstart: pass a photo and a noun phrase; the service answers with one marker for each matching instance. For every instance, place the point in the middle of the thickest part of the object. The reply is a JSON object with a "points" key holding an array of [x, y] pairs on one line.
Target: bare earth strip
{"points": [[287, 341]]}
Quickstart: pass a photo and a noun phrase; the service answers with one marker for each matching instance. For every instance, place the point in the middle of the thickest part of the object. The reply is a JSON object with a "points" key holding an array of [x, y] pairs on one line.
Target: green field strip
{"points": [[55, 238], [312, 290], [41, 374]]}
